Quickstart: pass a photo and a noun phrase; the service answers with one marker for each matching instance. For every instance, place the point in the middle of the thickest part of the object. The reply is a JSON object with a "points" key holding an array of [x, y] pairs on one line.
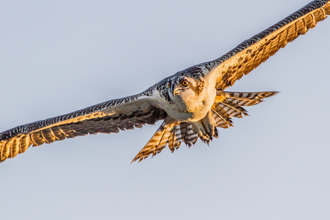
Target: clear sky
{"points": [[60, 56]]}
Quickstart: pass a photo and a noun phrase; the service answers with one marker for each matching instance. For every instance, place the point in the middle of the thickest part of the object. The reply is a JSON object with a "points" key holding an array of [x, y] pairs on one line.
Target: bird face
{"points": [[185, 92], [190, 101], [183, 86]]}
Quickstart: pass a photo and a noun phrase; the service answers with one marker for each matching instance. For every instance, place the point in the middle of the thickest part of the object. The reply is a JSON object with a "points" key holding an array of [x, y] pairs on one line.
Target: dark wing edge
{"points": [[107, 117], [251, 53]]}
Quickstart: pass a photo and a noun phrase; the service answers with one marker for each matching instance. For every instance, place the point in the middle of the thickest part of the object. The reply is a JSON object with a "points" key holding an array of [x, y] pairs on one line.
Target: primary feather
{"points": [[192, 102]]}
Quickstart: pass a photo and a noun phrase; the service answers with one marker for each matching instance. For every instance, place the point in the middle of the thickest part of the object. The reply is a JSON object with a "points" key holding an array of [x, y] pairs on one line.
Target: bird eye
{"points": [[168, 84], [184, 82]]}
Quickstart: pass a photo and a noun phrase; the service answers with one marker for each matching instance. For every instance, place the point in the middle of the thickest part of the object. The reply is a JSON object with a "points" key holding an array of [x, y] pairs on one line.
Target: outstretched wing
{"points": [[256, 50], [107, 117]]}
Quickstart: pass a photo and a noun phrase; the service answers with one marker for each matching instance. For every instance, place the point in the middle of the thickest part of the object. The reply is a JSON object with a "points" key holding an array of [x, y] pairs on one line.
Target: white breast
{"points": [[190, 107]]}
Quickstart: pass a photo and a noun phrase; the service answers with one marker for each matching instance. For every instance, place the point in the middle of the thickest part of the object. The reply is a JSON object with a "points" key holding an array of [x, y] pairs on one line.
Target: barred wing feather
{"points": [[226, 106], [168, 135], [230, 104], [108, 117], [256, 50]]}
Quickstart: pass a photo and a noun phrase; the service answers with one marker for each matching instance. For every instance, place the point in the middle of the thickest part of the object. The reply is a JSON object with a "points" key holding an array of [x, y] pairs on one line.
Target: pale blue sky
{"points": [[60, 56]]}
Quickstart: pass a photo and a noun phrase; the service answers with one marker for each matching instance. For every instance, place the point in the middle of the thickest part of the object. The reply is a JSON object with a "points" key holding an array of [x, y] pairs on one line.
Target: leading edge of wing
{"points": [[99, 110], [108, 117], [252, 52], [132, 103]]}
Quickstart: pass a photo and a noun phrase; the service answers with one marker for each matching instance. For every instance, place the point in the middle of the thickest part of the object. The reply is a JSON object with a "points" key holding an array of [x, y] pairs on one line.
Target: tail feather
{"points": [[233, 110], [155, 145], [243, 98], [189, 137], [175, 139], [168, 135], [221, 118], [226, 106], [229, 104]]}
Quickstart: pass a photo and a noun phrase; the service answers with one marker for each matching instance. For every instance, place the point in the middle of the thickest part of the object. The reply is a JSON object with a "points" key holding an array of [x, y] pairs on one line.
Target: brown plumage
{"points": [[249, 56], [193, 109]]}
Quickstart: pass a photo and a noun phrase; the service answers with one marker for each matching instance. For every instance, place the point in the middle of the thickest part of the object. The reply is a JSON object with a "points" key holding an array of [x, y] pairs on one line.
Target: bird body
{"points": [[192, 103]]}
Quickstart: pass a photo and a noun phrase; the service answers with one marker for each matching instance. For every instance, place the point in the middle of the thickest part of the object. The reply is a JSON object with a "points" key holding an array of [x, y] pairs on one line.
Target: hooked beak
{"points": [[175, 89]]}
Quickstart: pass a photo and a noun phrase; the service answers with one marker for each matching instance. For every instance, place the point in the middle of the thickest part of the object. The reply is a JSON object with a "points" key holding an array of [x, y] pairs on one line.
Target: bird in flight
{"points": [[192, 103]]}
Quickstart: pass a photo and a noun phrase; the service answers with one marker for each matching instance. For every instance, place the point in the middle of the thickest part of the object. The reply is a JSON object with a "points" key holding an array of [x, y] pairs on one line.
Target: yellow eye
{"points": [[184, 82]]}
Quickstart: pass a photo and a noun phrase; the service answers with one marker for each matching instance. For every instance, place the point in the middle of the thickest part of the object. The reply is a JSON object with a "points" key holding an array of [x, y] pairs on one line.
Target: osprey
{"points": [[192, 103]]}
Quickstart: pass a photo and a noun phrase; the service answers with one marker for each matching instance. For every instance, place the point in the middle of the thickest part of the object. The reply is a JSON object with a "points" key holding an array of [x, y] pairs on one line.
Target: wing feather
{"points": [[170, 135], [229, 104], [108, 117], [251, 53]]}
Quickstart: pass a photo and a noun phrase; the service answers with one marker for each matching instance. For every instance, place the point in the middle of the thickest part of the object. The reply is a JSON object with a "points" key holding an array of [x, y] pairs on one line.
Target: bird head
{"points": [[185, 87]]}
